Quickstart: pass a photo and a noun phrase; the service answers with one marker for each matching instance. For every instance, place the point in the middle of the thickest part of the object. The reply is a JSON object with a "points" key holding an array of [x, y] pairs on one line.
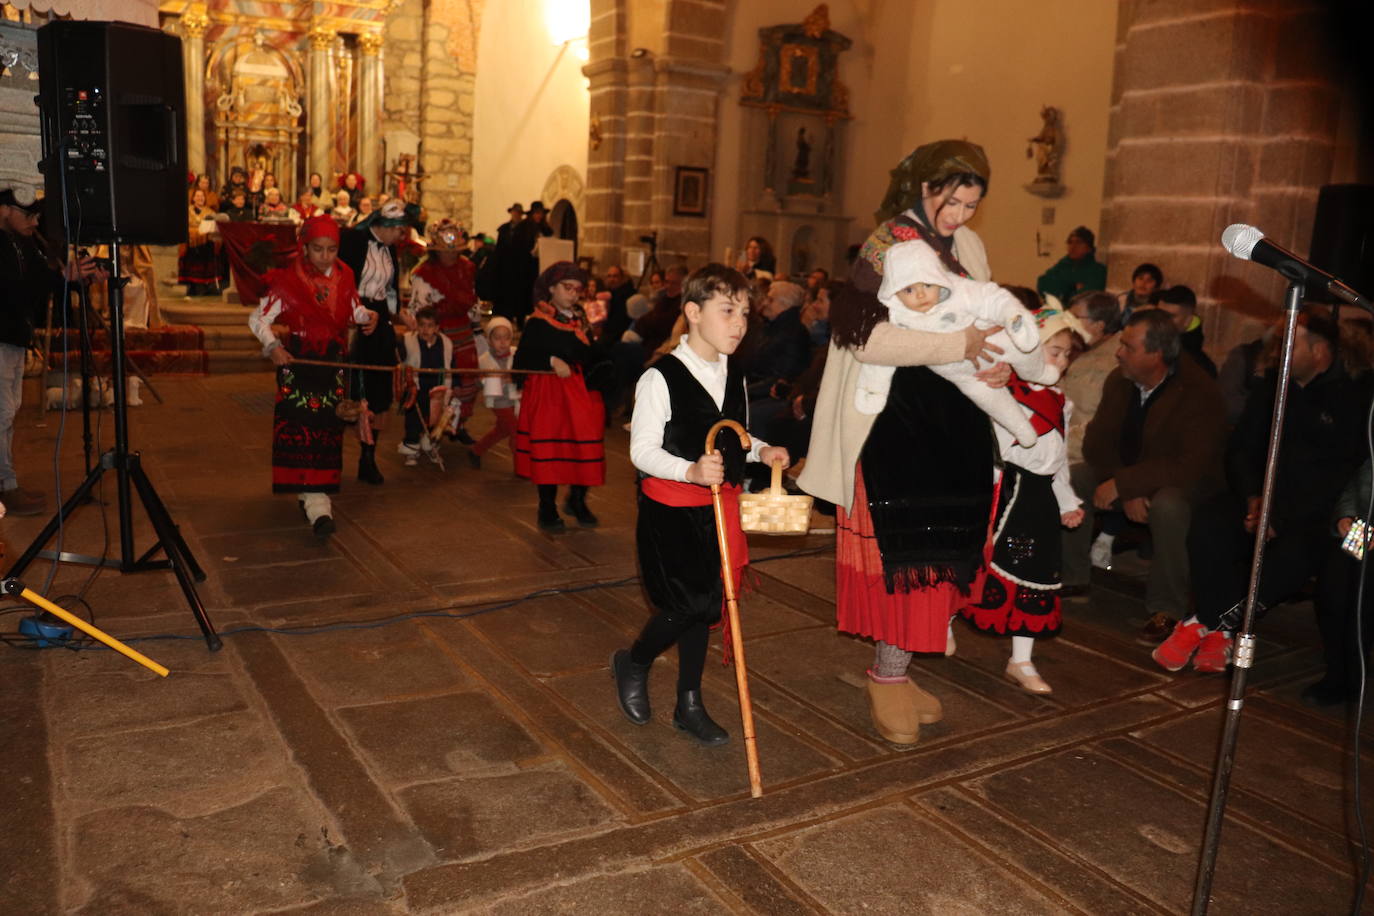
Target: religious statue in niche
{"points": [[1048, 149], [801, 167]]}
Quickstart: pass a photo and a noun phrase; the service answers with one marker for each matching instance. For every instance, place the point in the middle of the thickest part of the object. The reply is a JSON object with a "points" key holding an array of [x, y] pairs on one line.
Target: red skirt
{"points": [[915, 620], [559, 435]]}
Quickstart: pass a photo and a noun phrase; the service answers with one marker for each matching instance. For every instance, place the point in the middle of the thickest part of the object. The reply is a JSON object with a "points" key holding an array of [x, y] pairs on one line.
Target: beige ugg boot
{"points": [[928, 708], [894, 712]]}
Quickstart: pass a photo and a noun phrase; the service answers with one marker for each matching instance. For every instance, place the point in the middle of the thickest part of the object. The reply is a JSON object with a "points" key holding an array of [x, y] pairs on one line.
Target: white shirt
{"points": [[653, 410], [261, 318], [1049, 457], [375, 280]]}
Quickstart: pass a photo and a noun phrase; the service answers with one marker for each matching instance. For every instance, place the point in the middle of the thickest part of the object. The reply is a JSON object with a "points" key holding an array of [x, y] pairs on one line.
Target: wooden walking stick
{"points": [[746, 706]]}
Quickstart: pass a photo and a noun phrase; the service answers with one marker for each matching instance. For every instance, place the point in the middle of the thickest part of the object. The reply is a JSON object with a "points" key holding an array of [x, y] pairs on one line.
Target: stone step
{"points": [[203, 313], [224, 362]]}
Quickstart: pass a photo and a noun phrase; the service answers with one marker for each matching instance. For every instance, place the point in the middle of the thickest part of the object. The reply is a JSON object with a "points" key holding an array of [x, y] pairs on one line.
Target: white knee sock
{"points": [[316, 506], [1021, 647]]}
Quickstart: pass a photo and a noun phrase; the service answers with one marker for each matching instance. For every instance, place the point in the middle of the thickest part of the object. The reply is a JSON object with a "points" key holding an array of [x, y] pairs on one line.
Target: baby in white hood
{"points": [[921, 295]]}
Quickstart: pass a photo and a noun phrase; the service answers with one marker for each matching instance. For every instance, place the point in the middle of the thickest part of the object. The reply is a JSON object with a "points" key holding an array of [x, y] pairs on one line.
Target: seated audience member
{"points": [[1241, 373], [1145, 279], [304, 208], [815, 316], [364, 208], [780, 353], [1152, 451], [239, 209], [757, 259], [1077, 272], [646, 334], [621, 289], [1321, 449], [816, 281], [1181, 304], [1101, 321], [273, 208], [1338, 587], [343, 212]]}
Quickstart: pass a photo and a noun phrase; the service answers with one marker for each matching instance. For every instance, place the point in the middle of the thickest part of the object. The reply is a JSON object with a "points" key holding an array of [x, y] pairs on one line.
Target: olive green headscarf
{"points": [[932, 163]]}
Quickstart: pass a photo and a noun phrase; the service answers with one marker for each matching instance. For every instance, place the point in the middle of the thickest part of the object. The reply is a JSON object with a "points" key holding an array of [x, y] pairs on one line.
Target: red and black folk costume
{"points": [[198, 257], [317, 310], [559, 433], [681, 397], [451, 291]]}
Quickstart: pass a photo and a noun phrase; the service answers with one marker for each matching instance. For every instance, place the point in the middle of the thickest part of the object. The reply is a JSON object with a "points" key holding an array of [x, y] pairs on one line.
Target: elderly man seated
{"points": [[1323, 445], [773, 361], [1153, 452]]}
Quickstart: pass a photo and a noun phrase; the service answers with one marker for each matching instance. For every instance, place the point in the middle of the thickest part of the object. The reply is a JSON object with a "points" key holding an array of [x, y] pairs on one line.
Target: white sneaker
{"points": [[1101, 554]]}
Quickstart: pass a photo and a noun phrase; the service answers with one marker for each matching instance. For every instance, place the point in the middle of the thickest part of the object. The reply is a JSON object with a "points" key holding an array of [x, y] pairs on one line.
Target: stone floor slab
{"points": [[552, 636], [348, 667], [447, 735], [477, 816], [650, 892], [879, 850], [1146, 837]]}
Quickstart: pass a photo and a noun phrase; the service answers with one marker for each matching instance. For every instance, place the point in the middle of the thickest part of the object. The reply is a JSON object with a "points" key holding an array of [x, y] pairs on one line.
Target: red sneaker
{"points": [[1174, 652], [1213, 653]]}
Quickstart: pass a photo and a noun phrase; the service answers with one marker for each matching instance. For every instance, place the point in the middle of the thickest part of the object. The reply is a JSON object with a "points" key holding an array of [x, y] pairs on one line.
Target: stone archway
{"points": [[564, 183]]}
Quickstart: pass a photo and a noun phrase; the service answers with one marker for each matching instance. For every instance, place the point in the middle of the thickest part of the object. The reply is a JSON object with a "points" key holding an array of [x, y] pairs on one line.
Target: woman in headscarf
{"points": [[913, 481], [444, 281], [314, 298], [559, 435]]}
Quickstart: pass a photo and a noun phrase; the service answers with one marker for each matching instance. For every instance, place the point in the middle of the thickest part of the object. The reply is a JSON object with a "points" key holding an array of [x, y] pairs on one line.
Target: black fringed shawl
{"points": [[927, 468]]}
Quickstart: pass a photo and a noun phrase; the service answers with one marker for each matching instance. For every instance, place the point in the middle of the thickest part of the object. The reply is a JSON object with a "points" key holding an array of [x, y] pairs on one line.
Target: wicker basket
{"points": [[775, 511]]}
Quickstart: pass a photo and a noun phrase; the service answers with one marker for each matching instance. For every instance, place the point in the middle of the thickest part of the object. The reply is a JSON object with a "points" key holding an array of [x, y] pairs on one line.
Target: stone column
{"points": [[1218, 117], [686, 94], [194, 22], [369, 107], [605, 187], [321, 103]]}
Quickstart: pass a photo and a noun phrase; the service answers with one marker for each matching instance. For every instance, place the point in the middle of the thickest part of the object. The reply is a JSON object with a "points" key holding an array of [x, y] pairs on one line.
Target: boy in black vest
{"points": [[676, 403]]}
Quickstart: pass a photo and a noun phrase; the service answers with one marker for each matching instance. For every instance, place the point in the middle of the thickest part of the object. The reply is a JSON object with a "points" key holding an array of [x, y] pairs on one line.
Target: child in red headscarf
{"points": [[560, 430], [315, 299]]}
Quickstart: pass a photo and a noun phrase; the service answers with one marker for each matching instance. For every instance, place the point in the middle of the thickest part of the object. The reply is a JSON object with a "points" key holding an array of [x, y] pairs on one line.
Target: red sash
{"points": [[674, 493]]}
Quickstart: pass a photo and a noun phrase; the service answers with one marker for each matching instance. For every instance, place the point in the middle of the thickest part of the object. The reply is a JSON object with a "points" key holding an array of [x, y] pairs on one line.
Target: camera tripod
{"points": [[129, 477]]}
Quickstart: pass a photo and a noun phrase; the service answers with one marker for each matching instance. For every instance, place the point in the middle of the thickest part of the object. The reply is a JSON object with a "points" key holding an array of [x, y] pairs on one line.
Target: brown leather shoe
{"points": [[23, 502], [1156, 629], [894, 714], [1024, 675]]}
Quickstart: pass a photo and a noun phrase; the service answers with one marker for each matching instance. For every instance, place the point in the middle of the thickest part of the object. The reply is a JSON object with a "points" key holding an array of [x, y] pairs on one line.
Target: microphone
{"points": [[1249, 244]]}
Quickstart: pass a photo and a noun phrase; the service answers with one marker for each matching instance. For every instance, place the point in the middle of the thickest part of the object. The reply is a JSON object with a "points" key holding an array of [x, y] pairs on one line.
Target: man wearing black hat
{"points": [[525, 248], [27, 278], [369, 250], [497, 280]]}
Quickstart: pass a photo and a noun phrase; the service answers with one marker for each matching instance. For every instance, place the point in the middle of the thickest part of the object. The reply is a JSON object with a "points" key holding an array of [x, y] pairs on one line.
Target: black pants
{"points": [[1220, 549], [417, 417], [1337, 590]]}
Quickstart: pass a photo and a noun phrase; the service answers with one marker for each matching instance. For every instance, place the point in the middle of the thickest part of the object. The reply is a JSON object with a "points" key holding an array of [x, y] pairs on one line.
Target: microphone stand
{"points": [[1245, 640]]}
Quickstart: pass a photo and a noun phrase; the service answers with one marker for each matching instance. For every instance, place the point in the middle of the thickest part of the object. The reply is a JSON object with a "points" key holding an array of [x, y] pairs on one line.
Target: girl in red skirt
{"points": [[316, 301], [559, 434], [446, 282], [1021, 592]]}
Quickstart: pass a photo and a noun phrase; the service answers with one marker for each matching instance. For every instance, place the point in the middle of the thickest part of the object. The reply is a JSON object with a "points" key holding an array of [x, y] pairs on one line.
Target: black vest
{"points": [[694, 413]]}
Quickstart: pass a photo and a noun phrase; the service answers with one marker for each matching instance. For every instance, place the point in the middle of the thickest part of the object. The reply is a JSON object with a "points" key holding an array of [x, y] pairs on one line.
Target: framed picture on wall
{"points": [[689, 191]]}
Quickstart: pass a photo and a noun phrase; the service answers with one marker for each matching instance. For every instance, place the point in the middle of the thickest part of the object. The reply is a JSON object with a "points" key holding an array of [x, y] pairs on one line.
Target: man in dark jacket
{"points": [[1152, 451], [782, 353], [27, 279], [1322, 447]]}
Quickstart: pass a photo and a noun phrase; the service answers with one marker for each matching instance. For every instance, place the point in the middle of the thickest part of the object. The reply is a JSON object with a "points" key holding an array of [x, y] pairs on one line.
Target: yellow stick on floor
{"points": [[38, 600]]}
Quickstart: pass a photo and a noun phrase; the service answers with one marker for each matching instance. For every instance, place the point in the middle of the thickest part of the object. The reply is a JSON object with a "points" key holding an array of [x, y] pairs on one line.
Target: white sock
{"points": [[1193, 619], [1021, 647], [316, 506], [1105, 538]]}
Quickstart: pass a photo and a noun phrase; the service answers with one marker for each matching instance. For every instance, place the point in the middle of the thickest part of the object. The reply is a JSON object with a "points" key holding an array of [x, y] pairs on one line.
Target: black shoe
{"points": [[367, 466], [462, 436], [475, 460], [690, 716], [550, 520], [631, 687], [324, 526], [577, 508], [1325, 693]]}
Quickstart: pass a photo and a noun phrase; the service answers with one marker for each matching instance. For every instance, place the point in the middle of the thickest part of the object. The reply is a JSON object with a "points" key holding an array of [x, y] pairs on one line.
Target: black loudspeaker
{"points": [[112, 101], [1343, 235]]}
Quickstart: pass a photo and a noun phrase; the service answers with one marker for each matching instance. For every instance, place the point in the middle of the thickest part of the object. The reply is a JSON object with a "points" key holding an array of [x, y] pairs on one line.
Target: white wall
{"points": [[979, 69], [530, 113]]}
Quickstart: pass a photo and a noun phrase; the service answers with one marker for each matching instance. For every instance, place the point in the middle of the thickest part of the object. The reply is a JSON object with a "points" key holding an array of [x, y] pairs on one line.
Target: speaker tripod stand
{"points": [[129, 478]]}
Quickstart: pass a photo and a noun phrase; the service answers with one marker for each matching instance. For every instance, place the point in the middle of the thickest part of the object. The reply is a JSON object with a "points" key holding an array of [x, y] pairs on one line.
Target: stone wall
{"points": [[430, 68], [656, 111], [1223, 112]]}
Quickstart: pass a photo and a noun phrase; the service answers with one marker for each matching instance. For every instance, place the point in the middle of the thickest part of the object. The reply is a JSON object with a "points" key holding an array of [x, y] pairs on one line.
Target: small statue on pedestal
{"points": [[1048, 149]]}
